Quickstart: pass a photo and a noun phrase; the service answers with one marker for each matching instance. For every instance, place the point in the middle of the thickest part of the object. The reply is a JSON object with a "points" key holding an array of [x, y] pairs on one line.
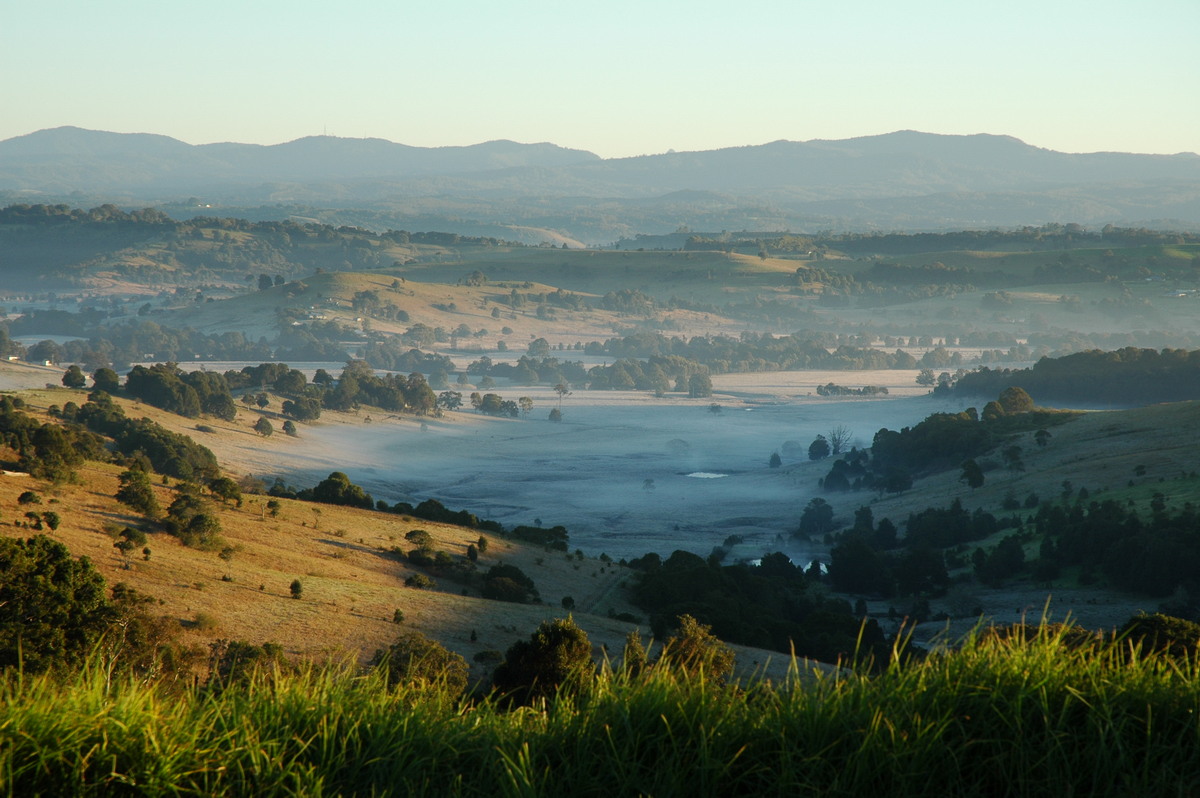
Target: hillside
{"points": [[352, 582]]}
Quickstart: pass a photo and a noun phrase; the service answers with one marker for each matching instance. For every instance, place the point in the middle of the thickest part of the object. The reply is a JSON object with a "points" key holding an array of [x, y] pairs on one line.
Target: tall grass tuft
{"points": [[1025, 714]]}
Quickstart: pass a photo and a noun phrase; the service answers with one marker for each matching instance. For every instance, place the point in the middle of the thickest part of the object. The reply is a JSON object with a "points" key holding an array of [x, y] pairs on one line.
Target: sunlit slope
{"points": [[353, 581], [487, 310], [707, 277]]}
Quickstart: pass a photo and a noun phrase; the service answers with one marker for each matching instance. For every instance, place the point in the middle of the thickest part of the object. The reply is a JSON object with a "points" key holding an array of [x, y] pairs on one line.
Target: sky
{"points": [[619, 77]]}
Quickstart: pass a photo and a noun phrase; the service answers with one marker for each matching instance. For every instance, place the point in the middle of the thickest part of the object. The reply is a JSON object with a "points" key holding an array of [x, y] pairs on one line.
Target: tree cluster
{"points": [[766, 605], [1125, 376]]}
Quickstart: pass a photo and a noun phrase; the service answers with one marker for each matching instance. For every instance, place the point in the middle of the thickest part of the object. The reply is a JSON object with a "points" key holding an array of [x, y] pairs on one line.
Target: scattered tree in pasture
{"points": [[106, 380], [264, 427], [972, 474], [839, 437], [74, 377], [136, 492]]}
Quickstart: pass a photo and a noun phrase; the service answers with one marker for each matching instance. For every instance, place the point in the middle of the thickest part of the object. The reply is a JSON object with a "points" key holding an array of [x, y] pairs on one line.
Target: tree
{"points": [[508, 583], [264, 427], [136, 492], [226, 490], [526, 404], [1012, 458], [289, 428], [819, 448], [414, 658], [693, 649], [1042, 437], [296, 588], [925, 377], [897, 480], [817, 518], [562, 389], [775, 461], [1015, 400], [855, 567], [74, 377], [53, 608], [699, 386], [105, 379], [303, 409], [972, 474], [555, 415], [539, 347], [556, 657], [839, 436], [449, 400]]}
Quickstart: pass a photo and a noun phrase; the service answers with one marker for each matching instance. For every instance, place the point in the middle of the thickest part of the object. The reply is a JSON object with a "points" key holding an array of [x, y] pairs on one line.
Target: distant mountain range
{"points": [[905, 180]]}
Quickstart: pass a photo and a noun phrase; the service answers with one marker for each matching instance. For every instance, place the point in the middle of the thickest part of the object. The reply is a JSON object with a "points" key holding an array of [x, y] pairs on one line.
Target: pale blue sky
{"points": [[618, 77]]}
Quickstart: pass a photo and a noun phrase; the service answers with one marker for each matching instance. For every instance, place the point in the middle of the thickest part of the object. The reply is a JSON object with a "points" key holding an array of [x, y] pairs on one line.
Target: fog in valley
{"points": [[625, 472]]}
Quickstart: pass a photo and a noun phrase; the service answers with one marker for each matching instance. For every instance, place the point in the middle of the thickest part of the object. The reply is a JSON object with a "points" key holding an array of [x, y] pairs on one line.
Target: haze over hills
{"points": [[903, 180]]}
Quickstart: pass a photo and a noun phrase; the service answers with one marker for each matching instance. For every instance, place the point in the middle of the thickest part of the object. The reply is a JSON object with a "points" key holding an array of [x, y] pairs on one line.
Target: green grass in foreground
{"points": [[996, 718]]}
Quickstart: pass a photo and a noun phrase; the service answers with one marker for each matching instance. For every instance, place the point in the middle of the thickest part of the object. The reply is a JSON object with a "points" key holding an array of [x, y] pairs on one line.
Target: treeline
{"points": [[1125, 376], [766, 606], [44, 449], [724, 354], [830, 389], [40, 215], [1048, 236], [1155, 556], [938, 442], [338, 489], [52, 451], [191, 394]]}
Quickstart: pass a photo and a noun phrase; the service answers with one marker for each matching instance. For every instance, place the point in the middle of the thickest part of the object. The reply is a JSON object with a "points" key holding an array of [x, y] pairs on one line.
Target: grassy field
{"points": [[1033, 715]]}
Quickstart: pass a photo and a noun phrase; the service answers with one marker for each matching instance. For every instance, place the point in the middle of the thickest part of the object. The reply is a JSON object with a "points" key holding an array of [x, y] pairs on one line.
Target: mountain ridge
{"points": [[886, 181]]}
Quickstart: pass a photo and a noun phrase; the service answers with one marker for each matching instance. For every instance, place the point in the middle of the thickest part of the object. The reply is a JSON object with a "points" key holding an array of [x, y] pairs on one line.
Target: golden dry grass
{"points": [[352, 581]]}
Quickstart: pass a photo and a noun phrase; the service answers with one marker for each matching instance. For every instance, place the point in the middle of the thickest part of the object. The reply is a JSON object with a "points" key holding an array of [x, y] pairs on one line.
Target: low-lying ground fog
{"points": [[625, 472]]}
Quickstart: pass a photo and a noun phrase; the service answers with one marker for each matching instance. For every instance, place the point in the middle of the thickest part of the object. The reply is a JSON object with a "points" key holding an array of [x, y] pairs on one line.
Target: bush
{"points": [[557, 656], [419, 537], [693, 649], [416, 658], [420, 582], [508, 583]]}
